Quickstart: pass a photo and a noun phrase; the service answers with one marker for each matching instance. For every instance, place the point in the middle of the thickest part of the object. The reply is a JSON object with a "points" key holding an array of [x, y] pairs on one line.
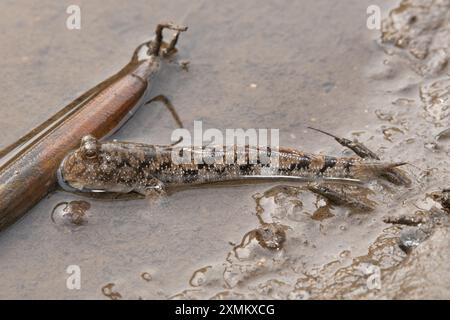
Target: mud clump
{"points": [[271, 235], [420, 29]]}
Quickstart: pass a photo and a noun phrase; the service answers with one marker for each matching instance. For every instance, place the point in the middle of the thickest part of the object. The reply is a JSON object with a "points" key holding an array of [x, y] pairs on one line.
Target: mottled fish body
{"points": [[125, 166]]}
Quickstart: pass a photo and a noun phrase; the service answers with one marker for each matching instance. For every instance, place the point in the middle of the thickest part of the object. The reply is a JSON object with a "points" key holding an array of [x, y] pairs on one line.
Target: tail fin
{"points": [[386, 170], [374, 168], [378, 166], [397, 177]]}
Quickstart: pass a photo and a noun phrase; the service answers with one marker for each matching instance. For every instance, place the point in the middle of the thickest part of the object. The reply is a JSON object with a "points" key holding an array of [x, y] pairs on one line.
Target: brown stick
{"points": [[28, 174]]}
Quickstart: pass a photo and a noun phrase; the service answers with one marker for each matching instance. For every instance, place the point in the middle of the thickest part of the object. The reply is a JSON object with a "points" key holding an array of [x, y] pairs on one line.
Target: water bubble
{"points": [[411, 238]]}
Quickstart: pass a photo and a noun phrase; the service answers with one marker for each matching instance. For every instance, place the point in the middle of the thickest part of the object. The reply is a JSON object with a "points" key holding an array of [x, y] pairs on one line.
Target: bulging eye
{"points": [[89, 147], [90, 153]]}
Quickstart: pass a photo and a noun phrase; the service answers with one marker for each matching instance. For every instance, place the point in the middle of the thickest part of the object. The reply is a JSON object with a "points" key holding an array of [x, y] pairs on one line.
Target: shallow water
{"points": [[289, 66]]}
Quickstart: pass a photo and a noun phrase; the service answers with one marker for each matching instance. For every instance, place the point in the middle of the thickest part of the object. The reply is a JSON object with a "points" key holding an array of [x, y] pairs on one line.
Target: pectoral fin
{"points": [[154, 189]]}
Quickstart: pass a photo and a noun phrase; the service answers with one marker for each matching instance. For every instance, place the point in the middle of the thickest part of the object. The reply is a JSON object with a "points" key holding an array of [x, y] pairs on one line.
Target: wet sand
{"points": [[314, 63]]}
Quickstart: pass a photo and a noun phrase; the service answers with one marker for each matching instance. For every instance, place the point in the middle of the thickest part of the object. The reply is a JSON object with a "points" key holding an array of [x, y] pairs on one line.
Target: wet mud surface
{"points": [[289, 66]]}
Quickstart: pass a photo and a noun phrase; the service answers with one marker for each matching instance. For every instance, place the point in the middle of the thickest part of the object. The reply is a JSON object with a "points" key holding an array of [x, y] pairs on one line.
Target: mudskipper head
{"points": [[103, 167], [81, 169]]}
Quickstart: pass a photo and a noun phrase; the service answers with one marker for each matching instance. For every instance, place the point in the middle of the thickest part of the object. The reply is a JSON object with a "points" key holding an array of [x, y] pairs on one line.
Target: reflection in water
{"points": [[72, 215]]}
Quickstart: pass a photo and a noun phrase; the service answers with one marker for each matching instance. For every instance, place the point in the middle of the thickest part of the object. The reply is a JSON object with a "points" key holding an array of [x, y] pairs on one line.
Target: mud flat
{"points": [[289, 66]]}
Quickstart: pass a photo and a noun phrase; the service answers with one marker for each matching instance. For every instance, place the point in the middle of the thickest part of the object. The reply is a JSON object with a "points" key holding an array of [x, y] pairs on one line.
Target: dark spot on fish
{"points": [[347, 165], [330, 162], [190, 175], [303, 163], [246, 168], [201, 166], [219, 169], [164, 166]]}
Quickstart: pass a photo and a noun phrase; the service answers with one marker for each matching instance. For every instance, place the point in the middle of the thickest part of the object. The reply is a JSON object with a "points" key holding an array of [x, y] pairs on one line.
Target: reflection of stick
{"points": [[173, 112], [164, 100]]}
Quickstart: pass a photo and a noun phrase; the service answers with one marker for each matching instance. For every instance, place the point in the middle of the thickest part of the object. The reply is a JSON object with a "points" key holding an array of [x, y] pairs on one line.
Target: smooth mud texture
{"points": [[252, 65]]}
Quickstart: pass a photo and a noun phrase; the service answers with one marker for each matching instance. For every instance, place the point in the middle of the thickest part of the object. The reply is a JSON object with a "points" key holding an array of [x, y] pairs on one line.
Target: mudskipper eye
{"points": [[89, 146], [90, 153]]}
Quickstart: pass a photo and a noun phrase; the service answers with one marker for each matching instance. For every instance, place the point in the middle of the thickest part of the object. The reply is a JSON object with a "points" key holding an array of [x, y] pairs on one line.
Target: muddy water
{"points": [[289, 66]]}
